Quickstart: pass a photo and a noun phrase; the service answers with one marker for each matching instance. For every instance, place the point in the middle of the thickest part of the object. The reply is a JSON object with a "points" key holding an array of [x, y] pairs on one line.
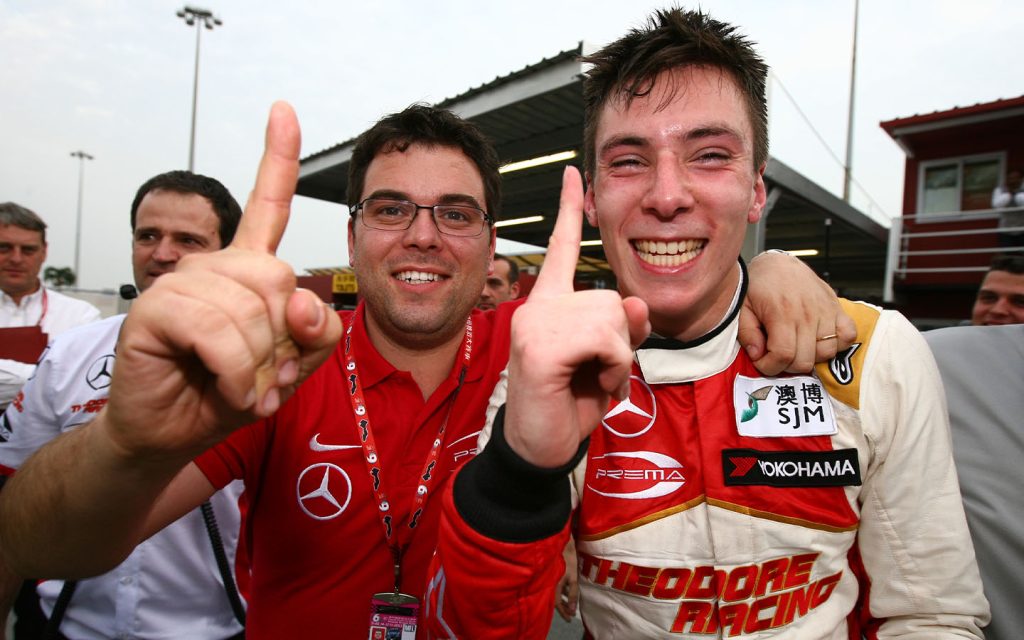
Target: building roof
{"points": [[955, 117]]}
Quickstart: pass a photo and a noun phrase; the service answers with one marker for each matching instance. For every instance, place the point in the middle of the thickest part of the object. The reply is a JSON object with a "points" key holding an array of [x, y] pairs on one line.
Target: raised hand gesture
{"points": [[227, 337], [571, 351]]}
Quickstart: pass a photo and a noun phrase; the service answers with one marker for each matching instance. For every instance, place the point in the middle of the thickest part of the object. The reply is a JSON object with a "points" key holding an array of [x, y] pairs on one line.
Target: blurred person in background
{"points": [[502, 283], [1010, 196], [1001, 296], [30, 314]]}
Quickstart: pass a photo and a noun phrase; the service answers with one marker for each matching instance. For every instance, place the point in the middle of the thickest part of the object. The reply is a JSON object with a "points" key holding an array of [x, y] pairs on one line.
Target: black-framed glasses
{"points": [[389, 214]]}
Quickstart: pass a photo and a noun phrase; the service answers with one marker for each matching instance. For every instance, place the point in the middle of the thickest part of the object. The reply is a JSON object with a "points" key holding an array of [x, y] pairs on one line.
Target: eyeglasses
{"points": [[387, 214]]}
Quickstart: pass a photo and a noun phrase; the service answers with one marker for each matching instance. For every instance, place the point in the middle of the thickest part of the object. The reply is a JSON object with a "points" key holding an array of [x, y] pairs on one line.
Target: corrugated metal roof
{"points": [[955, 112], [568, 54]]}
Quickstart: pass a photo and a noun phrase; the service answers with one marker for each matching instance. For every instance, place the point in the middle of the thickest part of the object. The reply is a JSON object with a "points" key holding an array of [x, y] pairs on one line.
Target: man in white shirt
{"points": [[1009, 196], [171, 586], [36, 314]]}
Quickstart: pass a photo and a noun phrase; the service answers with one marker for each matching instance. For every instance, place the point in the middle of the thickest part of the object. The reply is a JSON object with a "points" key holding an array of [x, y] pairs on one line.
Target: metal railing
{"points": [[900, 241]]}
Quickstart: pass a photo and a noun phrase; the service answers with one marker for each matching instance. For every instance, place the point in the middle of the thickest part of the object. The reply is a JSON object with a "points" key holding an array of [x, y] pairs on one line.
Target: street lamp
{"points": [[199, 18], [82, 157]]}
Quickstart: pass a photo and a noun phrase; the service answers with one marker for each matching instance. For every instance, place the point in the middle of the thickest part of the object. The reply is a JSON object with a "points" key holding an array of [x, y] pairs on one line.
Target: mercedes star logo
{"points": [[635, 415], [100, 371], [323, 491]]}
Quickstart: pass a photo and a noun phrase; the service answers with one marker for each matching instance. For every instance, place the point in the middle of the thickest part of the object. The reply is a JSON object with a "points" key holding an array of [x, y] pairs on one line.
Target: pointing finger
{"points": [[563, 254], [266, 213]]}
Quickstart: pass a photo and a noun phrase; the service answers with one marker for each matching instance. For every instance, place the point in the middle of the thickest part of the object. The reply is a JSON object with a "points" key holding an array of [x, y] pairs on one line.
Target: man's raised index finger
{"points": [[559, 268], [266, 213]]}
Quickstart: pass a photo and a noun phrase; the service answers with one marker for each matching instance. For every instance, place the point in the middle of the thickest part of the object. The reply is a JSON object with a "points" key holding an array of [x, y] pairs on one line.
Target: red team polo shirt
{"points": [[313, 527]]}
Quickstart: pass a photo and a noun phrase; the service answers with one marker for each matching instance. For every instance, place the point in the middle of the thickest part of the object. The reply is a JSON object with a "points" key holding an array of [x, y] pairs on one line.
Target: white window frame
{"points": [[959, 161]]}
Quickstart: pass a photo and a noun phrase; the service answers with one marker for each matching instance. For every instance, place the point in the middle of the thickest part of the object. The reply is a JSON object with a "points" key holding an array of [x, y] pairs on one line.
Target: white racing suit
{"points": [[716, 503]]}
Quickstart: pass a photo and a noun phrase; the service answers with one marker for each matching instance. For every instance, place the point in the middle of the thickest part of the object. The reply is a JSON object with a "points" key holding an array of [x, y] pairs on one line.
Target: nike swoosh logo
{"points": [[315, 445]]}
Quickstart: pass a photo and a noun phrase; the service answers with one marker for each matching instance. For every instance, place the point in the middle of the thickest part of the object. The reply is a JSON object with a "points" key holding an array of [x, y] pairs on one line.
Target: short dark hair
{"points": [[430, 126], [674, 38], [185, 183], [513, 268], [18, 216], [1009, 263]]}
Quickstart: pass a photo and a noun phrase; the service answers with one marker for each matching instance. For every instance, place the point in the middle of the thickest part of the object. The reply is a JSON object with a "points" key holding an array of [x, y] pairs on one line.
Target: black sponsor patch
{"points": [[791, 468]]}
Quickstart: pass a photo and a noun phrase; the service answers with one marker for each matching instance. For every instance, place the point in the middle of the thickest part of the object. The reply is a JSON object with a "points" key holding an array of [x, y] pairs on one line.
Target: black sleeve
{"points": [[508, 499]]}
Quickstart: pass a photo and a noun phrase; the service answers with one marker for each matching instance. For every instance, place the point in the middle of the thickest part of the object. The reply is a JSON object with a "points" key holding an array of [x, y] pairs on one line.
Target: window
{"points": [[958, 184]]}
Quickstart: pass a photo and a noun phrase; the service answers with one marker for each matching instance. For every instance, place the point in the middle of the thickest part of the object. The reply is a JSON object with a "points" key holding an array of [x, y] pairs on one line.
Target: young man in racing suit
{"points": [[712, 501]]}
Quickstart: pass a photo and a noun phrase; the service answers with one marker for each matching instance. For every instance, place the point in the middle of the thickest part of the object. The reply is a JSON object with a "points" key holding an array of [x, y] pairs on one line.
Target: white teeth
{"points": [[417, 277], [668, 253]]}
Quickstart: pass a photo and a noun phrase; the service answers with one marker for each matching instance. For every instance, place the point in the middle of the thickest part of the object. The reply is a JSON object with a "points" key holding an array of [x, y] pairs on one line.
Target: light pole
{"points": [[82, 157], [200, 18], [848, 172]]}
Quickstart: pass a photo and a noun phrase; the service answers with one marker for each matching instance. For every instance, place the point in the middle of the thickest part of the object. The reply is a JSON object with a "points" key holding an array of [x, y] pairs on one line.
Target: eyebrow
{"points": [[622, 141], [23, 246], [174, 233], [714, 131], [447, 198]]}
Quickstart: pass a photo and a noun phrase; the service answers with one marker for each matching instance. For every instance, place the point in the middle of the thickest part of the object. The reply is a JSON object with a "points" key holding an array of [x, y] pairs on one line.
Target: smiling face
{"points": [[420, 285], [1000, 299], [673, 191], [170, 225]]}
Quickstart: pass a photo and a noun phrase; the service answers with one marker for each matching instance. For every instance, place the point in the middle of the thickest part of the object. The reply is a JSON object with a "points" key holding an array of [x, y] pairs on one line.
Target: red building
{"points": [[941, 247]]}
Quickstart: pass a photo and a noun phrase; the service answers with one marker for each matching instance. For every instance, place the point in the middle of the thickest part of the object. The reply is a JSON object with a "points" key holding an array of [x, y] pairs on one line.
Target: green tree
{"points": [[59, 276]]}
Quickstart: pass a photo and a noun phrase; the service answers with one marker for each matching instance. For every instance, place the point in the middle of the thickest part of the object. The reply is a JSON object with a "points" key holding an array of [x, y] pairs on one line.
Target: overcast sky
{"points": [[114, 78]]}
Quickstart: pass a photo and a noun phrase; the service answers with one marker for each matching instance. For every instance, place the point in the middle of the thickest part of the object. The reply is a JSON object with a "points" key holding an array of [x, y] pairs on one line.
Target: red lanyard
{"points": [[372, 457], [46, 304]]}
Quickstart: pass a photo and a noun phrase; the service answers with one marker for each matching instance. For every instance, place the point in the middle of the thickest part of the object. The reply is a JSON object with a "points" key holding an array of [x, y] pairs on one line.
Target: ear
{"points": [[760, 197], [493, 246], [589, 208], [351, 241], [514, 290]]}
